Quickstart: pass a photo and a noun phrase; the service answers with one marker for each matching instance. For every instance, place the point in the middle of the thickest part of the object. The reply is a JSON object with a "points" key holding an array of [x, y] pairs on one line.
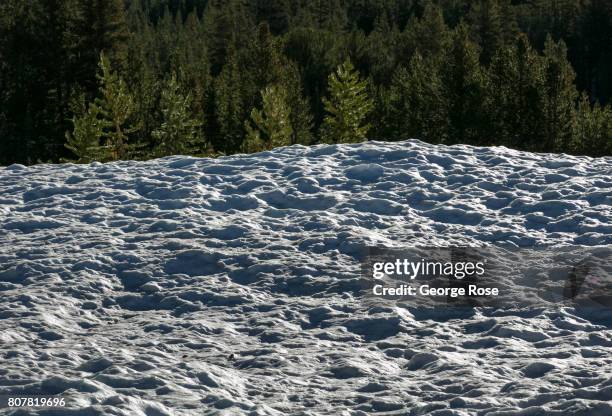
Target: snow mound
{"points": [[232, 285]]}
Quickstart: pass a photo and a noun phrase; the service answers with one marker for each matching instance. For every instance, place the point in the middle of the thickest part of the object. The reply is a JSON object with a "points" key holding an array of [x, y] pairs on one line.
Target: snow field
{"points": [[186, 286]]}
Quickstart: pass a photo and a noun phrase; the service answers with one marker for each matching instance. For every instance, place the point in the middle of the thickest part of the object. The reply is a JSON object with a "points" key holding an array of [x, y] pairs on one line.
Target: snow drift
{"points": [[186, 286]]}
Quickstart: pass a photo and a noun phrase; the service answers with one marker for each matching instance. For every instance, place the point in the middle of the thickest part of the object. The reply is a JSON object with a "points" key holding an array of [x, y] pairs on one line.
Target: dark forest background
{"points": [[105, 80]]}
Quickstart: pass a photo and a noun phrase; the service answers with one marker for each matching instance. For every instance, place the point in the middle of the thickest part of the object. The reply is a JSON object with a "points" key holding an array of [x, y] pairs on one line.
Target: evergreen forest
{"points": [[107, 80]]}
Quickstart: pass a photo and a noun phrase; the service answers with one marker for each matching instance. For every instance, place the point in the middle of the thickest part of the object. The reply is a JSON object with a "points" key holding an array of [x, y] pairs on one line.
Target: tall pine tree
{"points": [[101, 27], [429, 34], [593, 128], [464, 86], [515, 89], [85, 140], [560, 97], [179, 132], [228, 106], [417, 103], [487, 20], [300, 115], [348, 107], [112, 112], [269, 127]]}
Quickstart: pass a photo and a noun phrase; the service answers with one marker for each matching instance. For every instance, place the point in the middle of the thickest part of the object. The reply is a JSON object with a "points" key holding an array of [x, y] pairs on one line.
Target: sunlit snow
{"points": [[186, 286]]}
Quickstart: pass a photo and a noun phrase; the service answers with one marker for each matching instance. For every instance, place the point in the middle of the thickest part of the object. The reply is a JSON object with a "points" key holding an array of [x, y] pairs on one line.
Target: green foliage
{"points": [[593, 128], [591, 51], [38, 51], [226, 23], [99, 27], [179, 133], [559, 98], [228, 106], [317, 53], [146, 91], [265, 62], [479, 72], [85, 140], [429, 34], [417, 105], [348, 107], [464, 86], [515, 90], [300, 116], [269, 127], [487, 20], [236, 91], [116, 106], [102, 132], [377, 61]]}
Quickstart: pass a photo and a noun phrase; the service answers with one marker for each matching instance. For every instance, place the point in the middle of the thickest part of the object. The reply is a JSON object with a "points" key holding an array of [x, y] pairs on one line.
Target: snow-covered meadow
{"points": [[186, 286]]}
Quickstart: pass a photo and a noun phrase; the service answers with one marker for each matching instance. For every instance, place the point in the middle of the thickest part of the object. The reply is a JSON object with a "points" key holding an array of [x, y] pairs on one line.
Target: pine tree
{"points": [[510, 26], [100, 27], [317, 53], [115, 105], [267, 67], [191, 64], [487, 20], [416, 103], [264, 61], [464, 86], [228, 106], [56, 27], [85, 140], [380, 45], [35, 78], [428, 34], [146, 92], [166, 39], [101, 131], [557, 18], [348, 107], [227, 23], [510, 94], [559, 97], [179, 133], [271, 126], [218, 36], [593, 128], [300, 115], [515, 89]]}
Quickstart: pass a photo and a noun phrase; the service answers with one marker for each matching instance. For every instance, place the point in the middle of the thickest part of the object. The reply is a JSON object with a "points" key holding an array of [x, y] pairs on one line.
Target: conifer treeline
{"points": [[105, 80]]}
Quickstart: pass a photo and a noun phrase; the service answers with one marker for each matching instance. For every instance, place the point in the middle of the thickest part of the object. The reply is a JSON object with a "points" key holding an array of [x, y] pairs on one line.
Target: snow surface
{"points": [[186, 286]]}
